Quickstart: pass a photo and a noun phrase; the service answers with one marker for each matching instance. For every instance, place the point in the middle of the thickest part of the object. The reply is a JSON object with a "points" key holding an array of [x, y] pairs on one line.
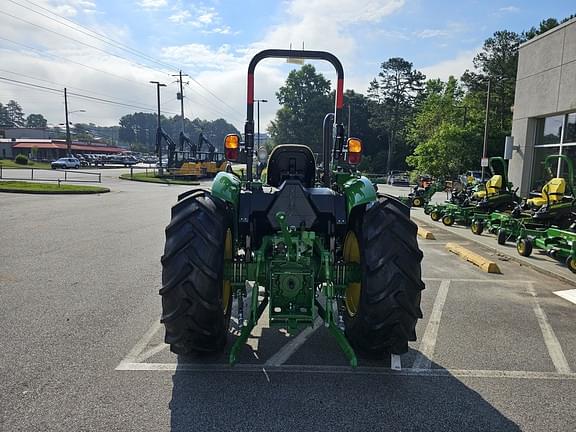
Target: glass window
{"points": [[570, 131], [539, 174], [569, 151], [549, 130]]}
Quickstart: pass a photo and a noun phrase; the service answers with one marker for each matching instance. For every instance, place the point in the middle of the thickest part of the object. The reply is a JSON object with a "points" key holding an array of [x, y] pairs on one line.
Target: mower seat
{"points": [[492, 187], [291, 162], [552, 192]]}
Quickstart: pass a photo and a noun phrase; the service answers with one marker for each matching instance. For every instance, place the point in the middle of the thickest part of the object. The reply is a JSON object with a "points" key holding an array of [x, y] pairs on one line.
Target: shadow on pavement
{"points": [[281, 401]]}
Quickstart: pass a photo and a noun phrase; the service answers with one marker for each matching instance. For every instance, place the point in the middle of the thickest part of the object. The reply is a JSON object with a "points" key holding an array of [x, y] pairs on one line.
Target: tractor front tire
{"points": [[387, 301], [196, 301], [435, 215]]}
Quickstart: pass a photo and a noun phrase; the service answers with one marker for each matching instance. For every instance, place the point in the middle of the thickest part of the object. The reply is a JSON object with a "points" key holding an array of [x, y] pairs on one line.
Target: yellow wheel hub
{"points": [[226, 285], [352, 255]]}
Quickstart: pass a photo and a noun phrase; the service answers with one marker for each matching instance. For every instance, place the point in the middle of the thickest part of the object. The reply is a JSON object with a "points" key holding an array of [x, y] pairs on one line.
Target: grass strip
{"points": [[49, 188]]}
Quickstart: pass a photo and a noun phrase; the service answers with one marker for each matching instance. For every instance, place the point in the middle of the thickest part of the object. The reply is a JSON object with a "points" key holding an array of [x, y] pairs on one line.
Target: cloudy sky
{"points": [[121, 45]]}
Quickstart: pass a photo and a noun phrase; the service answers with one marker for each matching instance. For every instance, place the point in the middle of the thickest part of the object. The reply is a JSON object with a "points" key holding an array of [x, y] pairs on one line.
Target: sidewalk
{"points": [[538, 260]]}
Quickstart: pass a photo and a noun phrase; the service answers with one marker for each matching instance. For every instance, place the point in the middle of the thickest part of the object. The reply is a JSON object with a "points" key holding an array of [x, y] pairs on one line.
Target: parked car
{"points": [[66, 162], [398, 178]]}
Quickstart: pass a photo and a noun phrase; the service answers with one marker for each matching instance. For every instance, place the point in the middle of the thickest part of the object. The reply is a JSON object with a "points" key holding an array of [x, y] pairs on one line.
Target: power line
{"points": [[20, 74], [92, 33], [109, 41], [81, 43], [58, 57], [79, 95]]}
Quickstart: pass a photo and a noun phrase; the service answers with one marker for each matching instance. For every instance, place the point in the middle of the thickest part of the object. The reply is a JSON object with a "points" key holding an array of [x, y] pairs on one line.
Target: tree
{"points": [[394, 94], [447, 152], [15, 114], [497, 62], [305, 99], [36, 121], [4, 117]]}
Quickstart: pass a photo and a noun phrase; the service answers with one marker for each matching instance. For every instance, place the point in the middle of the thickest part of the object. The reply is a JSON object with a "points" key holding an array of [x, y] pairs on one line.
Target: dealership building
{"points": [[544, 121]]}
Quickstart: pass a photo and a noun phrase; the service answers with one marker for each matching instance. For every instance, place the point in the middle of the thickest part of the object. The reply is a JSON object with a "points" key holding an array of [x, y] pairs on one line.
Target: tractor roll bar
{"points": [[281, 53]]}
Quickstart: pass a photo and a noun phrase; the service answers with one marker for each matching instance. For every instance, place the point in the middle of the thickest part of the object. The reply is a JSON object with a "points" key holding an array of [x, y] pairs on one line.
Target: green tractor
{"points": [[305, 244]]}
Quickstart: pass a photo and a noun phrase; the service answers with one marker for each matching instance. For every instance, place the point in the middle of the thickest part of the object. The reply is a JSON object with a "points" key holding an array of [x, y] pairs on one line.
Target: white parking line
{"points": [[550, 339], [428, 343], [291, 347], [361, 370], [132, 356], [569, 295]]}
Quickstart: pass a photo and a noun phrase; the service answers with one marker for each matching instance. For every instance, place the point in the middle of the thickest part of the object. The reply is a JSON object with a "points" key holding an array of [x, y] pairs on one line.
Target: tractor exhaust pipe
{"points": [[327, 147]]}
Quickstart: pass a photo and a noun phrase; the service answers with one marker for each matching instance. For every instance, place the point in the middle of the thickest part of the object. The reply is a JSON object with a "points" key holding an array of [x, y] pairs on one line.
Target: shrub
{"points": [[21, 160]]}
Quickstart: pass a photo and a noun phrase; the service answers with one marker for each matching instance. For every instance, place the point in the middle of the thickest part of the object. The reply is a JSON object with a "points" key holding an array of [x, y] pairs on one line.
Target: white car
{"points": [[66, 162]]}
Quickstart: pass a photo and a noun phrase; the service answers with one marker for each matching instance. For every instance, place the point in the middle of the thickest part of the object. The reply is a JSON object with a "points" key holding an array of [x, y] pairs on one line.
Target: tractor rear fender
{"points": [[358, 191], [226, 186]]}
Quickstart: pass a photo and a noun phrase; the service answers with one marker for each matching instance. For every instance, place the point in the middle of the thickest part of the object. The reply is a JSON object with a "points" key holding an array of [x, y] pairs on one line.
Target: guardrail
{"points": [[39, 172]]}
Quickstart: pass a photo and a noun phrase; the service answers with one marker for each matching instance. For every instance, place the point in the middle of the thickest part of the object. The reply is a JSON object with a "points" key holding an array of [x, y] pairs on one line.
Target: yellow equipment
{"points": [[552, 192]]}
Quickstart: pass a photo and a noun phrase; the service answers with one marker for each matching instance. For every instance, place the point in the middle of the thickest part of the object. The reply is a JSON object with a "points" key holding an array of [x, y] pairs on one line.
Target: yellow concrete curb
{"points": [[472, 257], [425, 234]]}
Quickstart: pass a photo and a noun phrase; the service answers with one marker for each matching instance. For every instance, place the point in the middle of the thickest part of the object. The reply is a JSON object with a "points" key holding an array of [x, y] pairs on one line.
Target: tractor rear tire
{"points": [[388, 306], [194, 311]]}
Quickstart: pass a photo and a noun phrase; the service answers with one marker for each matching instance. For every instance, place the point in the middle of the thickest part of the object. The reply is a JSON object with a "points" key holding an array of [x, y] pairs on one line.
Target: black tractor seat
{"points": [[291, 162]]}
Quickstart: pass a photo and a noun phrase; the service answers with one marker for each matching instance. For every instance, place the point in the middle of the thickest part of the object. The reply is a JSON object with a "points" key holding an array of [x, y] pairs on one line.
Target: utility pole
{"points": [[181, 97], [68, 140], [258, 117], [158, 134], [485, 146]]}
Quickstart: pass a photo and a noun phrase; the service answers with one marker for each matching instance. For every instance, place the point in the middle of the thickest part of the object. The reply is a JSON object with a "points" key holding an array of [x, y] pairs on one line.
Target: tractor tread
{"points": [[391, 285], [192, 271]]}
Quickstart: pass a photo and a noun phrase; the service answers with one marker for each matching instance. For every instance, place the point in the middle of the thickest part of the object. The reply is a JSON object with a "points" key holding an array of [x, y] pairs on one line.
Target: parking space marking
{"points": [[550, 339], [291, 347], [495, 280], [569, 295], [428, 343], [152, 351], [132, 356], [361, 370]]}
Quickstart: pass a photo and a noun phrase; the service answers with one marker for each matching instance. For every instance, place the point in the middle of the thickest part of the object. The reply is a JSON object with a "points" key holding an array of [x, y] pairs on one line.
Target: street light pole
{"points": [[485, 146], [158, 134], [68, 140], [258, 116]]}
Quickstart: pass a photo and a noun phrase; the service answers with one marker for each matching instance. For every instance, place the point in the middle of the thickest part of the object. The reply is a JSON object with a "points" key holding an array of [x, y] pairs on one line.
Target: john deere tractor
{"points": [[303, 243]]}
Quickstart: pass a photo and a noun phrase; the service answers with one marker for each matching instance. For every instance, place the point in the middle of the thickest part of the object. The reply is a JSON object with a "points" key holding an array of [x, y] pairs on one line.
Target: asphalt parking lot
{"points": [[82, 348]]}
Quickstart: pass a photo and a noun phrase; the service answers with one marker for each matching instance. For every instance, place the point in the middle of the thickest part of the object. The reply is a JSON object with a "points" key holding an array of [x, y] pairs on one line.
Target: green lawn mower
{"points": [[554, 206], [558, 244], [302, 243], [424, 190]]}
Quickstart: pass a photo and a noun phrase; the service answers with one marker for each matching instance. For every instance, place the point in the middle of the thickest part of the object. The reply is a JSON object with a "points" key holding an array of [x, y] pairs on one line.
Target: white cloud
{"points": [[207, 17], [511, 9], [431, 33], [180, 17], [455, 66], [152, 4]]}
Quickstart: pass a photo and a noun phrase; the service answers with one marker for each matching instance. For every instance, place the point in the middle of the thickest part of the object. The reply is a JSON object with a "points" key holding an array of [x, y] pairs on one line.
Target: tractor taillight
{"points": [[232, 147], [354, 151]]}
